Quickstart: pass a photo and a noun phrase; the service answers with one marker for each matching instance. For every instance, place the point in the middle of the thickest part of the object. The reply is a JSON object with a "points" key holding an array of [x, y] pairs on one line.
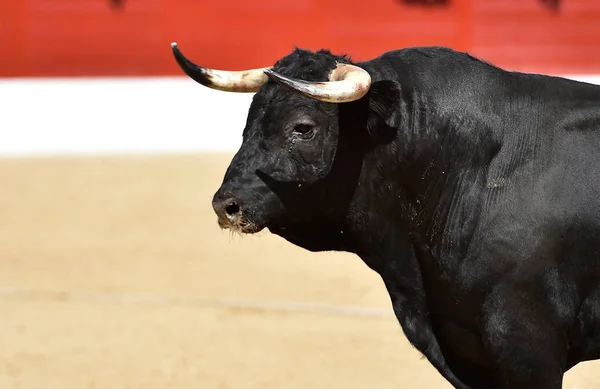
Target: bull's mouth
{"points": [[240, 226]]}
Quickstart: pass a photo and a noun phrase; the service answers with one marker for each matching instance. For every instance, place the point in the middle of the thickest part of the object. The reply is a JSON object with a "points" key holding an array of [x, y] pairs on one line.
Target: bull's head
{"points": [[301, 157]]}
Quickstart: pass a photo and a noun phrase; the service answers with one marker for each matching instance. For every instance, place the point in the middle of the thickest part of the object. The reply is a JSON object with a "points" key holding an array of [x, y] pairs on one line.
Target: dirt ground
{"points": [[114, 274]]}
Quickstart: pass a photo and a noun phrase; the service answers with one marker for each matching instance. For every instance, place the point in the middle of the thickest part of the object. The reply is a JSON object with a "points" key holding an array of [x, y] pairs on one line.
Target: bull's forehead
{"points": [[274, 105], [308, 65]]}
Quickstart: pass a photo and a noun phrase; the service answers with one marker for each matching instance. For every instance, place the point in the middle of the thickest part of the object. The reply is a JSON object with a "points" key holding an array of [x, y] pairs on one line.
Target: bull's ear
{"points": [[384, 109]]}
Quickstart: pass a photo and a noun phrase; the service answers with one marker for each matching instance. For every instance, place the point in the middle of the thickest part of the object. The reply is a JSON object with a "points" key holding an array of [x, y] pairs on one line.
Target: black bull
{"points": [[472, 191]]}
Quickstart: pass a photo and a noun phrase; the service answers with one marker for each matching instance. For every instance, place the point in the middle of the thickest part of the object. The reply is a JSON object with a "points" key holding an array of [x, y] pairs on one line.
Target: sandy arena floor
{"points": [[114, 274]]}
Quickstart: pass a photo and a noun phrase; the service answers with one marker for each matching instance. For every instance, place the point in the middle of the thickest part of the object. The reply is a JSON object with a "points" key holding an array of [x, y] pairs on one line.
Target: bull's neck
{"points": [[425, 186]]}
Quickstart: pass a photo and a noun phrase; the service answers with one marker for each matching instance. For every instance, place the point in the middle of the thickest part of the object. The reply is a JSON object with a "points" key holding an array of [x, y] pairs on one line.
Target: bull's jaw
{"points": [[315, 238]]}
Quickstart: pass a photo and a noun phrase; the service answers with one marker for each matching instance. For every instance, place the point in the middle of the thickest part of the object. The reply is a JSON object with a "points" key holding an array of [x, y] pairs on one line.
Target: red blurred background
{"points": [[132, 37]]}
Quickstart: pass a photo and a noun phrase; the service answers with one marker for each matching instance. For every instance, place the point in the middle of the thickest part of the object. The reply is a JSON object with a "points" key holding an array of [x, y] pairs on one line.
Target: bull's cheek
{"points": [[312, 163], [270, 210]]}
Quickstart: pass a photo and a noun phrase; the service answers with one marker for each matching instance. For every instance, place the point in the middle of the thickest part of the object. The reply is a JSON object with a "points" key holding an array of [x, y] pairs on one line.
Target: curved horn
{"points": [[346, 83], [228, 81]]}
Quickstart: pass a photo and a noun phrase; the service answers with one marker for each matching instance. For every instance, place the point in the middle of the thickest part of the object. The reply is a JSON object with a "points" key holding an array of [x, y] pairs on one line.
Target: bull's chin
{"points": [[241, 226]]}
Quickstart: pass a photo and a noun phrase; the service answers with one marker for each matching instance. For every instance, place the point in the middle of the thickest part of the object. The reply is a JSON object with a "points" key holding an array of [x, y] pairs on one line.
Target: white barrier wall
{"points": [[121, 115], [129, 115]]}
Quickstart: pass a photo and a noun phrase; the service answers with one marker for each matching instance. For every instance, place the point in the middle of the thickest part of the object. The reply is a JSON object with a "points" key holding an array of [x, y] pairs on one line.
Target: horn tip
{"points": [[173, 45], [273, 74]]}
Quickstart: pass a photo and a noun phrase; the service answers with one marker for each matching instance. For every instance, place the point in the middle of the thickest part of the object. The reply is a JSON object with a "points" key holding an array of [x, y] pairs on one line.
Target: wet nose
{"points": [[227, 208]]}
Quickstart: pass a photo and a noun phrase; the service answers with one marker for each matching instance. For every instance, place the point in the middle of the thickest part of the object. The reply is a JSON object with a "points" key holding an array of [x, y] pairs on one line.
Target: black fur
{"points": [[471, 190]]}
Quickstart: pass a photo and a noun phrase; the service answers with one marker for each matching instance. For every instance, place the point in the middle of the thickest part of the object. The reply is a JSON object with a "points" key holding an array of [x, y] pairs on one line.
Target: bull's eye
{"points": [[304, 129]]}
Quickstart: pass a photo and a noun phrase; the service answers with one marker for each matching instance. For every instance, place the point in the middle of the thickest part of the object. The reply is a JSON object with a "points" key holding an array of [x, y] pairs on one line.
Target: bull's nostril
{"points": [[232, 209]]}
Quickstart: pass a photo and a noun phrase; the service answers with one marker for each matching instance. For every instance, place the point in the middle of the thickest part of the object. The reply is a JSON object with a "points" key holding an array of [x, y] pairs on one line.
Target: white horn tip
{"points": [[173, 44]]}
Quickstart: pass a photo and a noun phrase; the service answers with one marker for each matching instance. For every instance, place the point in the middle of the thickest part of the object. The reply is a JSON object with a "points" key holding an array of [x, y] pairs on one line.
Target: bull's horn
{"points": [[242, 81], [346, 83]]}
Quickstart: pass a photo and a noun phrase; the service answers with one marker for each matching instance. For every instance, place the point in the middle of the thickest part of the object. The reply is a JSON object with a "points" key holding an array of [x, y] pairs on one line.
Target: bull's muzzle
{"points": [[230, 215], [228, 211]]}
